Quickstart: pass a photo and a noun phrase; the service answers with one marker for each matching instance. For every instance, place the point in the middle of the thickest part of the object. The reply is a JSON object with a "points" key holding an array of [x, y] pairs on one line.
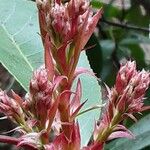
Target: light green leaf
{"points": [[20, 45], [141, 130], [91, 92], [21, 52]]}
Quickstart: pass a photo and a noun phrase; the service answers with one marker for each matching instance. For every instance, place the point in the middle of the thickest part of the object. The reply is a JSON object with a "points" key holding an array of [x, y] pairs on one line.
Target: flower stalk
{"points": [[65, 29]]}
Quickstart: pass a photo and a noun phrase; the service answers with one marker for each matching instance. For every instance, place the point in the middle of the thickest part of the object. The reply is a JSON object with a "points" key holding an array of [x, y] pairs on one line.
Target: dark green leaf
{"points": [[95, 55], [141, 131]]}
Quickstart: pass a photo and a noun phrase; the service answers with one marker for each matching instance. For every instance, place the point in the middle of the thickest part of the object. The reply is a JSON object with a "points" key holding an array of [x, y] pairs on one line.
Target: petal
{"points": [[49, 65], [81, 70], [120, 134], [17, 98], [85, 35], [58, 80]]}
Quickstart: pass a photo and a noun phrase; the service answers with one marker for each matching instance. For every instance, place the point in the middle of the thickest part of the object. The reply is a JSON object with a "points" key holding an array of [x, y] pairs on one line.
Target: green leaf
{"points": [[109, 9], [96, 4], [107, 47], [138, 54], [141, 130], [20, 45], [95, 55], [134, 11], [135, 38], [90, 92], [21, 52]]}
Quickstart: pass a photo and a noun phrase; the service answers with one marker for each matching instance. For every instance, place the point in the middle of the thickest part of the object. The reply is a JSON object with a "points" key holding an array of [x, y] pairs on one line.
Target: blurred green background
{"points": [[123, 34]]}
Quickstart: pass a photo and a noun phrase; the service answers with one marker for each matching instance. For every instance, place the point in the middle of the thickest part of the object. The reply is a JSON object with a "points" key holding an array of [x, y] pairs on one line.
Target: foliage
{"points": [[124, 42]]}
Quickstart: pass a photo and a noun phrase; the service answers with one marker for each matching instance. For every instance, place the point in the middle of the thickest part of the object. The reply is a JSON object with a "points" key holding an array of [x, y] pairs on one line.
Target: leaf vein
{"points": [[21, 29], [12, 12], [17, 47]]}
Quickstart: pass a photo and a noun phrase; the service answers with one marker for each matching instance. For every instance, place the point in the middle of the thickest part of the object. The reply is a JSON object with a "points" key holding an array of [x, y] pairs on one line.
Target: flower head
{"points": [[125, 99], [40, 101], [67, 26], [134, 85], [11, 108], [124, 75]]}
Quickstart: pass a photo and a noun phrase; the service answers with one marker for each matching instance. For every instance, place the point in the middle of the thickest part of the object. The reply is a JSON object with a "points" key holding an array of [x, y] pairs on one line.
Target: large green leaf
{"points": [[135, 10], [91, 92], [21, 52], [141, 131], [20, 45], [95, 55], [107, 47]]}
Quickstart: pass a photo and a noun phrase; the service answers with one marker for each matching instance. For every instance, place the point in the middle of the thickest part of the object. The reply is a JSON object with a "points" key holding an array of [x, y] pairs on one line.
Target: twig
{"points": [[126, 26]]}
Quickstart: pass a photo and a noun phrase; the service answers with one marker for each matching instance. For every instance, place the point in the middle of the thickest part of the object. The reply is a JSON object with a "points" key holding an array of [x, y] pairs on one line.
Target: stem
{"points": [[116, 119], [125, 26], [64, 116], [105, 133], [45, 138], [9, 140], [102, 137], [64, 110]]}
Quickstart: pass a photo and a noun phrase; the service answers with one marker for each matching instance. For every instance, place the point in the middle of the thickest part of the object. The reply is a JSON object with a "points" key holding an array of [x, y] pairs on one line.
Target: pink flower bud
{"points": [[131, 88], [11, 108], [124, 75], [39, 100], [68, 26], [40, 82], [64, 20], [124, 99]]}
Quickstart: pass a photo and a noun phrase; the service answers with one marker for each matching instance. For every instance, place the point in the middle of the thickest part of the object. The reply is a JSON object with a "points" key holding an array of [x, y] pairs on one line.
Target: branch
{"points": [[125, 26]]}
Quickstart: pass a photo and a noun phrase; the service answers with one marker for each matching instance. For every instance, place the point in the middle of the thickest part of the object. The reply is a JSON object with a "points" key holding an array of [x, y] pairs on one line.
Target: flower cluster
{"points": [[125, 99], [11, 108], [65, 29]]}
